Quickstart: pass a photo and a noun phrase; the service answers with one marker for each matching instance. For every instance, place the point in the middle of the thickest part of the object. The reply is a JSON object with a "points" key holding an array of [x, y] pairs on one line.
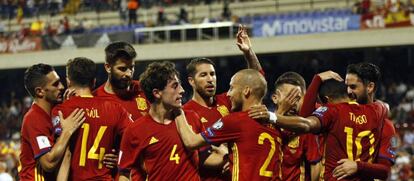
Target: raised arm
{"points": [[244, 44], [51, 160]]}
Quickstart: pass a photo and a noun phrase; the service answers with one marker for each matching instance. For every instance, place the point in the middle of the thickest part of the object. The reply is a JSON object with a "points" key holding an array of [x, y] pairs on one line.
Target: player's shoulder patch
{"points": [[43, 142], [218, 125], [320, 111], [394, 141]]}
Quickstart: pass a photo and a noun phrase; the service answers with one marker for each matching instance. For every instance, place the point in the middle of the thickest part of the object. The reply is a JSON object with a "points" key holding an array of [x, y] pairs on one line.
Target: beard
{"points": [[205, 94], [363, 99], [120, 83], [236, 105], [54, 100], [123, 87]]}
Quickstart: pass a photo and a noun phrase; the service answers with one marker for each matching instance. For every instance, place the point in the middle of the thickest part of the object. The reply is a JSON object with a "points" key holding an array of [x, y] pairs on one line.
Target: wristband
{"points": [[272, 117]]}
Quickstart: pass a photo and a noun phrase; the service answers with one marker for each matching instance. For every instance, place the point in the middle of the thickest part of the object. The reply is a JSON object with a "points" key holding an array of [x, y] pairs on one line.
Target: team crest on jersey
{"points": [[141, 103], [218, 125], [294, 143], [223, 110], [319, 112]]}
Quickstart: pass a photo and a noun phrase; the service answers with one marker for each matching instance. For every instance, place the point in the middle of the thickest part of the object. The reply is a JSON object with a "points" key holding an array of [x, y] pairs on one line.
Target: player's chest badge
{"points": [[141, 103], [223, 110]]}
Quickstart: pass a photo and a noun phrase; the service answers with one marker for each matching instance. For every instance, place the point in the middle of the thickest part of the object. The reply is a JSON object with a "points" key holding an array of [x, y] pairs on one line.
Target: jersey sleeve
{"points": [[312, 148], [389, 142], [41, 138], [130, 150], [225, 129], [326, 115]]}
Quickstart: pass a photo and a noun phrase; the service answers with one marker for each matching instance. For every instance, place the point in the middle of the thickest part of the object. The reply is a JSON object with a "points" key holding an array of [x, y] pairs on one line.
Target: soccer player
{"points": [[105, 122], [209, 106], [362, 80], [153, 140], [301, 154], [121, 89], [256, 151], [41, 154], [345, 124]]}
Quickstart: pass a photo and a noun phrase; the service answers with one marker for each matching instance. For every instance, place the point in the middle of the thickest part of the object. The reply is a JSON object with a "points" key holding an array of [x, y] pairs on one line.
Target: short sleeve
{"points": [[224, 130], [389, 142], [326, 115], [40, 136], [130, 150]]}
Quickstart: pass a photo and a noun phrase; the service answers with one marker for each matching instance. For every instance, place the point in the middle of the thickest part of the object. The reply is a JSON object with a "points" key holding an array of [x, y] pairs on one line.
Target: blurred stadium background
{"points": [[306, 36]]}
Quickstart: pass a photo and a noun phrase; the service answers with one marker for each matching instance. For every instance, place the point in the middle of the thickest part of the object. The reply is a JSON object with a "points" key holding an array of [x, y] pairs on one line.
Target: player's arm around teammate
{"points": [[52, 159]]}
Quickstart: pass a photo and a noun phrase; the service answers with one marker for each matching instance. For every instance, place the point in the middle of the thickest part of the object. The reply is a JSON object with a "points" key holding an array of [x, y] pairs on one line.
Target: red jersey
{"points": [[389, 142], [208, 116], [160, 148], [353, 132], [256, 149], [298, 152], [135, 103], [36, 140], [105, 122]]}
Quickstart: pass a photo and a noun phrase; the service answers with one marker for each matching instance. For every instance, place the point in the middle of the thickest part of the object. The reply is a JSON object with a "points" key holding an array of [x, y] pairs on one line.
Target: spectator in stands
{"points": [[183, 16], [161, 19], [55, 7], [20, 14], [66, 25], [133, 6], [2, 26], [226, 14], [4, 175], [37, 27], [123, 10]]}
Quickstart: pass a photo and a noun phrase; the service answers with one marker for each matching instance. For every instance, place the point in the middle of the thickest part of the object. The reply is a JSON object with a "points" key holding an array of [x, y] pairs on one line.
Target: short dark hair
{"points": [[35, 76], [192, 66], [292, 78], [367, 72], [156, 76], [119, 50], [81, 71], [332, 89]]}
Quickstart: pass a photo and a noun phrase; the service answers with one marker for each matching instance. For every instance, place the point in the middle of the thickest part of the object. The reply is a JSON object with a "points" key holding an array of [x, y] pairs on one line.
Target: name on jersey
{"points": [[359, 119], [92, 113]]}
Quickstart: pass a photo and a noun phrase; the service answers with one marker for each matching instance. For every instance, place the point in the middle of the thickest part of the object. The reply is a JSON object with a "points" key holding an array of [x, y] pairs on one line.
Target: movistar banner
{"points": [[275, 26]]}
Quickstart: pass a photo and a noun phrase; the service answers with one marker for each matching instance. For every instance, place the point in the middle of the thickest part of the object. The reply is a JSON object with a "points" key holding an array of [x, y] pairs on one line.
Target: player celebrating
{"points": [[209, 106], [153, 139], [38, 158], [119, 87], [105, 121], [344, 123], [362, 80], [300, 152], [256, 151]]}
